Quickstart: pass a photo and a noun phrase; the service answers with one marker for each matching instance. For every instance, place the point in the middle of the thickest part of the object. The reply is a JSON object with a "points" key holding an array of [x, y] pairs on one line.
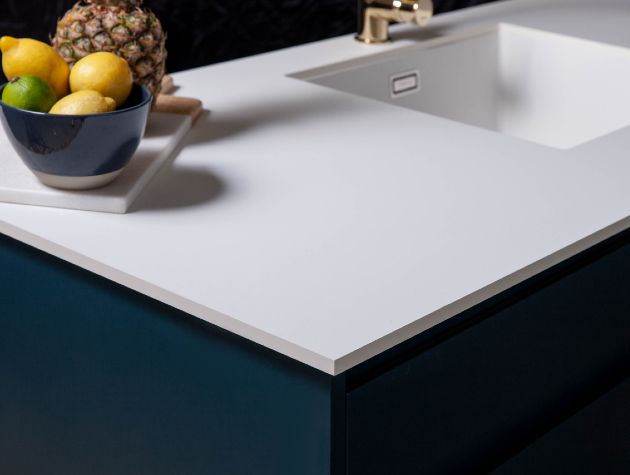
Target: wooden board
{"points": [[179, 105], [167, 85], [175, 104]]}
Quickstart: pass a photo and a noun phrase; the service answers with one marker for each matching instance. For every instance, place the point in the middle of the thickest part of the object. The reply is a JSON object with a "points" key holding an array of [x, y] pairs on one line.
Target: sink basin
{"points": [[547, 88]]}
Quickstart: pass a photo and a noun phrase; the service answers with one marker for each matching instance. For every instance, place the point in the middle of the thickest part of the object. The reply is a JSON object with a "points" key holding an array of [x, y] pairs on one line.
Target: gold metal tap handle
{"points": [[375, 15]]}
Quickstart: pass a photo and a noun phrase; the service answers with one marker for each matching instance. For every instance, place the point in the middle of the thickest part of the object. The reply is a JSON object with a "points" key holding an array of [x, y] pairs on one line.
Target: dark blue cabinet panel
{"points": [[594, 441], [95, 378], [458, 405], [101, 380]]}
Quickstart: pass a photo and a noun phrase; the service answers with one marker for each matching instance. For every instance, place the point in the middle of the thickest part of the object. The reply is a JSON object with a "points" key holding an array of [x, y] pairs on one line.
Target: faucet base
{"points": [[372, 41]]}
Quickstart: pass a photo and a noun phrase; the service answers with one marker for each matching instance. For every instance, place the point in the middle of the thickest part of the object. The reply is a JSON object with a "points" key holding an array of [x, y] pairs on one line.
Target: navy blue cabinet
{"points": [[459, 404], [95, 378], [98, 379], [594, 441]]}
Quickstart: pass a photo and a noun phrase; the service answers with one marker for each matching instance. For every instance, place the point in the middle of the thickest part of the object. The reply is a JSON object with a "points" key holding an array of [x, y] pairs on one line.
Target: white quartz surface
{"points": [[331, 227]]}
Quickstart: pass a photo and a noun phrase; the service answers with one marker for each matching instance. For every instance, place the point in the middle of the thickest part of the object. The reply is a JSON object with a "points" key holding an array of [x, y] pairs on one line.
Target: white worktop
{"points": [[330, 227]]}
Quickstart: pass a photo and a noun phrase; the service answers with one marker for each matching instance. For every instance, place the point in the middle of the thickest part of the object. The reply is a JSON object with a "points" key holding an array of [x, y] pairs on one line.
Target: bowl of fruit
{"points": [[76, 129]]}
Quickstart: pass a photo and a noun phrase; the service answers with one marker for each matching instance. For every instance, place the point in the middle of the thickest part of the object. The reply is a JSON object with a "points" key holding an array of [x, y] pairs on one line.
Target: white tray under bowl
{"points": [[163, 134]]}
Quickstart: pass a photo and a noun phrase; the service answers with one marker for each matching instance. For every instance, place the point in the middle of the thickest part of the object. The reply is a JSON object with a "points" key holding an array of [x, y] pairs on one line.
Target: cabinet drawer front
{"points": [[596, 440], [454, 407]]}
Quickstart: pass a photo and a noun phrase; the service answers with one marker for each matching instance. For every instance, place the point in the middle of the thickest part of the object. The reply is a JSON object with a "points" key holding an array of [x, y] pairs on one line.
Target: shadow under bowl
{"points": [[78, 152]]}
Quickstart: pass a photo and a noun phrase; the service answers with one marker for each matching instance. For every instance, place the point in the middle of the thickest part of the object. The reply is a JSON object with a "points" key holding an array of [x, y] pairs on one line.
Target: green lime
{"points": [[30, 93]]}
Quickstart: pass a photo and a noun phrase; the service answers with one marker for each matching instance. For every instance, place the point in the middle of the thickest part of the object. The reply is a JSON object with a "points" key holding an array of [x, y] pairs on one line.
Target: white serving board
{"points": [[163, 134]]}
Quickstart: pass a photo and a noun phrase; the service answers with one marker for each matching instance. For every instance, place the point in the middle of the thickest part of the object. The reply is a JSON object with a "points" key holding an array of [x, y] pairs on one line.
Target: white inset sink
{"points": [[543, 87]]}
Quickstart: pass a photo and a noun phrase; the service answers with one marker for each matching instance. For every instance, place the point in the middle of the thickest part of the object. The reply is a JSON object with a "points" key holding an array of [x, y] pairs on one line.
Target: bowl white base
{"points": [[76, 183]]}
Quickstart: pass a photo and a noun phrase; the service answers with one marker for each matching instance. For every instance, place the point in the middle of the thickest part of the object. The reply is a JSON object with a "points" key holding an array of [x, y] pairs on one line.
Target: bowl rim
{"points": [[82, 116]]}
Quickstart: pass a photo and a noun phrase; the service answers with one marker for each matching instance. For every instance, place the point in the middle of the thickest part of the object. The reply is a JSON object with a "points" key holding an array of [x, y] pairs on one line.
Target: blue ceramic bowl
{"points": [[78, 152]]}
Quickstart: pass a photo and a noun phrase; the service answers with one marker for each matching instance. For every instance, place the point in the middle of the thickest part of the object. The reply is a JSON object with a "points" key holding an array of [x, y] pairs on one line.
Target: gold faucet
{"points": [[375, 15]]}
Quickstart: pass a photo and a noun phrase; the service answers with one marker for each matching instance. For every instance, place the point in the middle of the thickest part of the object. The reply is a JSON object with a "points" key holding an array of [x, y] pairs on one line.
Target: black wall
{"points": [[203, 32]]}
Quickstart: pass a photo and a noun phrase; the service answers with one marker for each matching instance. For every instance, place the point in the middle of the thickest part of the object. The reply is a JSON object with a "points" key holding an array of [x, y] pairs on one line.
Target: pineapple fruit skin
{"points": [[120, 27]]}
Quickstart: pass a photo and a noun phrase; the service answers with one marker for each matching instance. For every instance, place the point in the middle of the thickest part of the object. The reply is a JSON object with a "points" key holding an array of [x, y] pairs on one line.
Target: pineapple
{"points": [[120, 27]]}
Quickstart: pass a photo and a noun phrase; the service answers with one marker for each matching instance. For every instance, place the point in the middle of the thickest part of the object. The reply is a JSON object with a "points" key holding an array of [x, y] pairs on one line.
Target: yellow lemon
{"points": [[105, 73], [84, 102], [26, 57]]}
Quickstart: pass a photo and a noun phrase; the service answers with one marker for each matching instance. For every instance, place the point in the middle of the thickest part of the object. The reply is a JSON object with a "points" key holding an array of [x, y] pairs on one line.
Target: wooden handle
{"points": [[179, 105], [167, 85]]}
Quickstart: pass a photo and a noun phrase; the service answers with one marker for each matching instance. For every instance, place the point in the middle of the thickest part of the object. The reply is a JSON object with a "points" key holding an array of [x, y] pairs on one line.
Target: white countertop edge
{"points": [[389, 341], [310, 358], [223, 321]]}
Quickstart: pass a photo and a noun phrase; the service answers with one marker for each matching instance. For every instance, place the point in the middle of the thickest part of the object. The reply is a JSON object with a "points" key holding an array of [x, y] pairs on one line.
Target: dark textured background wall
{"points": [[203, 32]]}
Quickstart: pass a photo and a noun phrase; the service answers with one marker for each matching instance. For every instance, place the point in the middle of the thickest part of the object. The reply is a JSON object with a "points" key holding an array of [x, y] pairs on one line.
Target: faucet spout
{"points": [[375, 15]]}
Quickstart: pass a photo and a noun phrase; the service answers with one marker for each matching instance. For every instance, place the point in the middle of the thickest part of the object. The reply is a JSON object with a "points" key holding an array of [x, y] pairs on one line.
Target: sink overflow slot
{"points": [[404, 83]]}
